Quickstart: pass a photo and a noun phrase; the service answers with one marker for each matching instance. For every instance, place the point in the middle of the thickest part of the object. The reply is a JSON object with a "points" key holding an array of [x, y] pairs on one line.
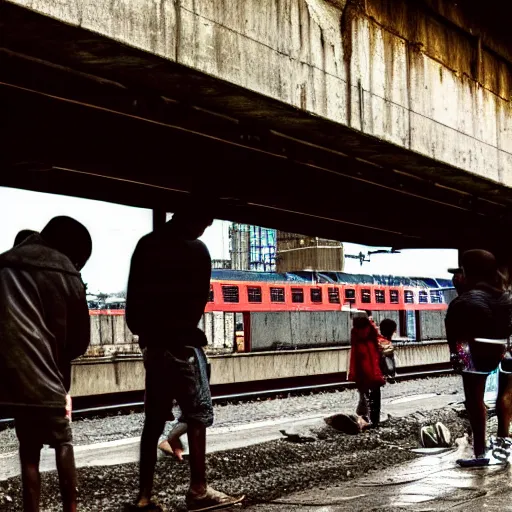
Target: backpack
{"points": [[435, 436], [387, 357]]}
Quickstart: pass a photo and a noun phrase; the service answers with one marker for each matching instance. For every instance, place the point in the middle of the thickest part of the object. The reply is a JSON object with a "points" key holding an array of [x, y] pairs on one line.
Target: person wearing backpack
{"points": [[387, 352], [365, 368], [478, 327]]}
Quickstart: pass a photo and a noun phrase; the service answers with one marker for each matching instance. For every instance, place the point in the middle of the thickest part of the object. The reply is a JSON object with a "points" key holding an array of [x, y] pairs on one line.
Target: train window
{"points": [[230, 293], [436, 296], [380, 298], [297, 295], [334, 295], [276, 294], [366, 296], [316, 294], [394, 297], [211, 295], [350, 296], [408, 297], [254, 293], [423, 297]]}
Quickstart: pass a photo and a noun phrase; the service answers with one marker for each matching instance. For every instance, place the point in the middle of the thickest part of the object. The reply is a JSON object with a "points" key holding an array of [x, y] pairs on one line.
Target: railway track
{"points": [[126, 403]]}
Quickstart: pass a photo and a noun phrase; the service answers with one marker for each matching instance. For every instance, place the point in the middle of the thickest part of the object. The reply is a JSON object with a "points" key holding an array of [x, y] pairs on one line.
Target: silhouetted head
{"points": [[192, 220], [23, 235], [458, 280], [387, 328], [480, 266], [69, 237], [361, 321]]}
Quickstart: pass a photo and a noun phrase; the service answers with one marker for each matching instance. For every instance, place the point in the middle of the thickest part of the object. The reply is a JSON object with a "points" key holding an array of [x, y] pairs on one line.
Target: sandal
{"points": [[477, 462], [211, 500], [501, 448]]}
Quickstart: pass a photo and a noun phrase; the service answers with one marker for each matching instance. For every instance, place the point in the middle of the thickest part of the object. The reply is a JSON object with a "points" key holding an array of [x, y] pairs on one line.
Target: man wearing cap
{"points": [[478, 325], [457, 279], [44, 324]]}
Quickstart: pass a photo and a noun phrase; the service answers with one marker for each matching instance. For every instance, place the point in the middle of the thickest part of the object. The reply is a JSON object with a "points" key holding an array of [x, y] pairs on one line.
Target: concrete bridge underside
{"points": [[141, 104]]}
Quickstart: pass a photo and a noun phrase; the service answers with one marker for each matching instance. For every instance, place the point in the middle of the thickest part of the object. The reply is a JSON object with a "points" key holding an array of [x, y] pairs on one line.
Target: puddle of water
{"points": [[412, 398]]}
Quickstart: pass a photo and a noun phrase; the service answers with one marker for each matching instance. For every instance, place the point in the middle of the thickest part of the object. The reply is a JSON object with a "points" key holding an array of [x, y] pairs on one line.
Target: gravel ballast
{"points": [[123, 426], [262, 472]]}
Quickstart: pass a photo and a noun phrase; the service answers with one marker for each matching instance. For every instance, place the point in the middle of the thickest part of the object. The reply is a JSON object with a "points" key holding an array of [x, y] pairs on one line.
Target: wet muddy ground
{"points": [[262, 472]]}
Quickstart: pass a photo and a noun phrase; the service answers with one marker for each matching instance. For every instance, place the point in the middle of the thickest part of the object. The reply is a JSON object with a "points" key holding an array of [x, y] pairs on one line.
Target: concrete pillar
{"points": [[118, 329], [208, 327], [95, 330], [106, 329], [218, 329]]}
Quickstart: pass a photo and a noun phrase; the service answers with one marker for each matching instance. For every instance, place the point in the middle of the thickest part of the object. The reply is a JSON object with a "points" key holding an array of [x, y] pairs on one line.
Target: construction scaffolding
{"points": [[252, 248]]}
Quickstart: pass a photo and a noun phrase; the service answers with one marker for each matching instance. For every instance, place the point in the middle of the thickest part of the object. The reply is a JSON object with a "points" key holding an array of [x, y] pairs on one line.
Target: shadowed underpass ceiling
{"points": [[86, 116]]}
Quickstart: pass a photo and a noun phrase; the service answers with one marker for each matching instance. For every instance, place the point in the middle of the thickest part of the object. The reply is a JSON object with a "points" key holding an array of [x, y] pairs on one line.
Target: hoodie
{"points": [[44, 324], [365, 368]]}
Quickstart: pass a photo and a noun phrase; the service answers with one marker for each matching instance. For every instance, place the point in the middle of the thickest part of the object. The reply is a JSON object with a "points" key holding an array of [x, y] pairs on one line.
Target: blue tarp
{"points": [[328, 277]]}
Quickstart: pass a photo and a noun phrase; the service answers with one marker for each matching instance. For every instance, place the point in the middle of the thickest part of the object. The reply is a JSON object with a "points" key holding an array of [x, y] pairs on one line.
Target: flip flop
{"points": [[473, 463], [211, 500]]}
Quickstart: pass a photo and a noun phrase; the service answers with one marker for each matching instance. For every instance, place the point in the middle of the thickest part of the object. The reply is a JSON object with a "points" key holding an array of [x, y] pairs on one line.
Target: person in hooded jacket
{"points": [[365, 369], [44, 325], [478, 325]]}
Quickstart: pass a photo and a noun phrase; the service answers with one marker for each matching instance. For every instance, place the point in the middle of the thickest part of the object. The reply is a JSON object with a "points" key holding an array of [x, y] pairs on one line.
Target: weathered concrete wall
{"points": [[390, 68], [219, 328], [295, 329], [432, 325], [110, 334], [419, 354], [378, 316], [102, 376]]}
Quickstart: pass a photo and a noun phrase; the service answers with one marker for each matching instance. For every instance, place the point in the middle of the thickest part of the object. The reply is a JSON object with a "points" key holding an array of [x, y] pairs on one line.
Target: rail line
{"points": [[97, 406]]}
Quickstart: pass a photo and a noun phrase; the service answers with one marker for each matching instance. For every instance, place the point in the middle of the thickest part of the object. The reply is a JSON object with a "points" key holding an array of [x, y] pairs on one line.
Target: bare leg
{"points": [[65, 459], [172, 445], [29, 459], [504, 404], [474, 389], [197, 446], [152, 429]]}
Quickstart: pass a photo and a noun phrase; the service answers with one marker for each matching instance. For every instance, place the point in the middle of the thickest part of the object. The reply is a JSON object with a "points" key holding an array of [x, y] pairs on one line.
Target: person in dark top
{"points": [[168, 290], [44, 325], [23, 235], [478, 325]]}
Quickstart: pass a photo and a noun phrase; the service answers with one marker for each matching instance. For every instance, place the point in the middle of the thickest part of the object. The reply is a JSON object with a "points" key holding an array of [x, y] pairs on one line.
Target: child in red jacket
{"points": [[365, 368]]}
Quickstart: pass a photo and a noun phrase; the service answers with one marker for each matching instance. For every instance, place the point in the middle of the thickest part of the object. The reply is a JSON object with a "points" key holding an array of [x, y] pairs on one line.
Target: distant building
{"points": [[252, 248], [298, 252], [223, 264], [267, 250]]}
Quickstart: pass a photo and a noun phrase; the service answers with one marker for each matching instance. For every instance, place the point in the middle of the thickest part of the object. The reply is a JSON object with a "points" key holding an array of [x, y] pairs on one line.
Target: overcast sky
{"points": [[116, 229]]}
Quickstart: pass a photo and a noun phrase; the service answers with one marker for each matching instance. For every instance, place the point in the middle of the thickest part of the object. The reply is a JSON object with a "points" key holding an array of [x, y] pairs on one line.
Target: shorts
{"points": [[179, 375], [481, 356], [39, 427]]}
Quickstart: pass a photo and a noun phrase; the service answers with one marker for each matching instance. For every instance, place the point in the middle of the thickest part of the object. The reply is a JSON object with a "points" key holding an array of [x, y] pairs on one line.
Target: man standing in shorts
{"points": [[44, 324], [478, 325], [168, 290]]}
